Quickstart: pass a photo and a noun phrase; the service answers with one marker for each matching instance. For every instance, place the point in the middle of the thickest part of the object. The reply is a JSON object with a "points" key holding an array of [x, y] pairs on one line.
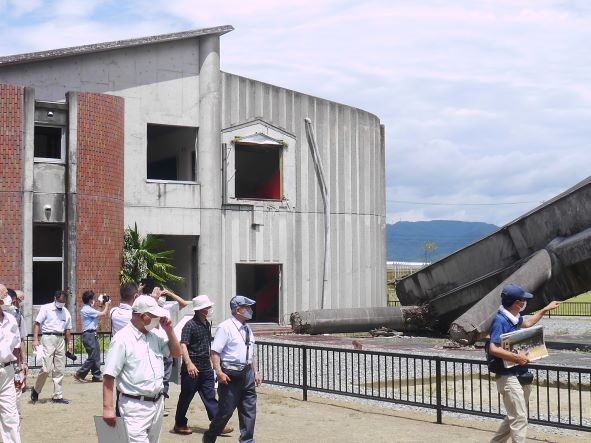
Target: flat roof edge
{"points": [[107, 46]]}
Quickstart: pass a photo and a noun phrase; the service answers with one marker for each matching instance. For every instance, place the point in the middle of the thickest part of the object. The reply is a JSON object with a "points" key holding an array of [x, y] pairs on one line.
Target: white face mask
{"points": [[161, 300], [7, 301], [247, 314], [59, 305], [153, 323], [523, 307], [210, 313]]}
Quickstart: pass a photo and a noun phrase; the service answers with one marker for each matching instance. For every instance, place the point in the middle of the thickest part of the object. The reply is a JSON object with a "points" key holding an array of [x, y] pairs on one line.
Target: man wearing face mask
{"points": [[232, 356], [16, 309], [55, 323], [136, 361], [196, 372], [90, 318], [512, 383]]}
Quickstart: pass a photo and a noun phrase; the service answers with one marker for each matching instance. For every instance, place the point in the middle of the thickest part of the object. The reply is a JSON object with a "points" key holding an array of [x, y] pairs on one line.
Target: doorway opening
{"points": [[262, 284]]}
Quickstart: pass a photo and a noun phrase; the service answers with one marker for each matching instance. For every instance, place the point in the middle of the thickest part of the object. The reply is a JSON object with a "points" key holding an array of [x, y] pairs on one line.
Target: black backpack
{"points": [[494, 364]]}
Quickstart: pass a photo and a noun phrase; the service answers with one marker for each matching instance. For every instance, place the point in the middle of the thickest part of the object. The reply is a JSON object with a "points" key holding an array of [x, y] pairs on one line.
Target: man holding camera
{"points": [[90, 318], [513, 383], [55, 324]]}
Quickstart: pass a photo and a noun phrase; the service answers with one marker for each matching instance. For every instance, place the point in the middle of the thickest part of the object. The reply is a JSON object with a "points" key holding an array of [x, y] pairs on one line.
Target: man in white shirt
{"points": [[232, 357], [17, 310], [121, 315], [9, 360], [55, 323], [136, 361]]}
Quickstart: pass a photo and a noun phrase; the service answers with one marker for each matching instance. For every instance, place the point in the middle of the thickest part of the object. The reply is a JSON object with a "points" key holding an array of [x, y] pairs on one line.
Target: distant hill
{"points": [[405, 240]]}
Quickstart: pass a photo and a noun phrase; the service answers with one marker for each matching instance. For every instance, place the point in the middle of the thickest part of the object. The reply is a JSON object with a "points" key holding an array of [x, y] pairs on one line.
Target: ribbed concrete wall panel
{"points": [[351, 149]]}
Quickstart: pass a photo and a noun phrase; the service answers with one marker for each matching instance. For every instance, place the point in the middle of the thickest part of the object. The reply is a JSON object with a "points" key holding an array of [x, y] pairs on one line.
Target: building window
{"points": [[49, 143], [171, 153], [48, 262], [258, 171], [262, 283]]}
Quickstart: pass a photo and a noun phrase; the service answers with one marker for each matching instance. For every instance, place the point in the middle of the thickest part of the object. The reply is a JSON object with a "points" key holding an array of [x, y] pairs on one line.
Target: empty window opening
{"points": [[48, 262], [171, 153], [258, 172], [262, 284], [48, 142]]}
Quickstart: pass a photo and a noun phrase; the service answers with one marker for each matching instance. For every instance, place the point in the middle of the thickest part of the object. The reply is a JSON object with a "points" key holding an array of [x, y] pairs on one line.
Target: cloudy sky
{"points": [[487, 103]]}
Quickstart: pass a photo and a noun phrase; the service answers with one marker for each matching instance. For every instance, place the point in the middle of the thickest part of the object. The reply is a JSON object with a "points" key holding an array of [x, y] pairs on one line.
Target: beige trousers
{"points": [[516, 400], [54, 362]]}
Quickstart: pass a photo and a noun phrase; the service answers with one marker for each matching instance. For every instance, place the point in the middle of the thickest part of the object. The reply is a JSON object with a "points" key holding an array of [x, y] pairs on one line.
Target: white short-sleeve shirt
{"points": [[120, 317], [10, 338], [53, 319], [136, 360], [230, 341]]}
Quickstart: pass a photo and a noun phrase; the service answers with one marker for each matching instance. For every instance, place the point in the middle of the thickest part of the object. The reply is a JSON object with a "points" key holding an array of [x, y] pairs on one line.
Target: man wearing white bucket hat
{"points": [[136, 362], [196, 372]]}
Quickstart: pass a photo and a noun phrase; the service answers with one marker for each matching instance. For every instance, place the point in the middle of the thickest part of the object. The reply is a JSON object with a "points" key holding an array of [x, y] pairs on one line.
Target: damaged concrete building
{"points": [[150, 131]]}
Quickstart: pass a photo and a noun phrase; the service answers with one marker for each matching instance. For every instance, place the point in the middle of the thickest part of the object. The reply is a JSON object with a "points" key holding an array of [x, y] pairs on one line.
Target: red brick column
{"points": [[11, 184], [99, 176]]}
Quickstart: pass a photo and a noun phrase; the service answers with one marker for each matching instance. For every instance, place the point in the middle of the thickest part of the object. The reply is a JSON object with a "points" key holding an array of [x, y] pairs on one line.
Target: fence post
{"points": [[304, 373], [438, 389]]}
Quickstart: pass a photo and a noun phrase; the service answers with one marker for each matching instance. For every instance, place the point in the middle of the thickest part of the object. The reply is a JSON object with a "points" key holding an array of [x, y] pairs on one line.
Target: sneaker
{"points": [[183, 430], [34, 395], [79, 378], [62, 401], [227, 430]]}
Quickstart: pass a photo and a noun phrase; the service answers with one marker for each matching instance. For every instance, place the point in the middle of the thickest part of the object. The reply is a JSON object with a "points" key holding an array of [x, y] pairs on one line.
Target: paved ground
{"points": [[282, 417]]}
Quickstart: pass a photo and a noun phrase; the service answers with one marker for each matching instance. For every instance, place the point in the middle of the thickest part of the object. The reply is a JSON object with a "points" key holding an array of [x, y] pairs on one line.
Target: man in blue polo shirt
{"points": [[515, 394]]}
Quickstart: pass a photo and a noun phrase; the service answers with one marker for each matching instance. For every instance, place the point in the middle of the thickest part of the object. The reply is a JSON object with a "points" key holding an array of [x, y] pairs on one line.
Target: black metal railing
{"points": [[79, 351], [560, 397], [566, 309]]}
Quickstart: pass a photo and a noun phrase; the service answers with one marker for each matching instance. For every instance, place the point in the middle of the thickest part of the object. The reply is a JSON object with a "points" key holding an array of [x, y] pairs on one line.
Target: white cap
{"points": [[145, 304], [201, 302]]}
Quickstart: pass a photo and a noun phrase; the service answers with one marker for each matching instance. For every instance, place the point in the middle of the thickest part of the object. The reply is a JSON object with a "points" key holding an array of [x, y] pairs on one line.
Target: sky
{"points": [[486, 103]]}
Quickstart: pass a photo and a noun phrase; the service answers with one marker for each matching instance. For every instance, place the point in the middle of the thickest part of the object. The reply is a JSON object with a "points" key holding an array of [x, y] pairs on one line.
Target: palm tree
{"points": [[142, 258]]}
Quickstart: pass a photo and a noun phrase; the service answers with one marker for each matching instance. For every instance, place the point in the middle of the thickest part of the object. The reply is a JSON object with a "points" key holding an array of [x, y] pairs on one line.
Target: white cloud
{"points": [[483, 102]]}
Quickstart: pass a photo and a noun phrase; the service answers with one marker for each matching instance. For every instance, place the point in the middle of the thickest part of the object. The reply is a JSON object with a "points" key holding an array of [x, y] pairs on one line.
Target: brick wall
{"points": [[100, 193], [11, 184]]}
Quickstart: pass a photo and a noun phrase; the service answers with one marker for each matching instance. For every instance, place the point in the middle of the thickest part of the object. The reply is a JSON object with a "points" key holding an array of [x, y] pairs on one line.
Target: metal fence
{"points": [[560, 397], [566, 309], [79, 351]]}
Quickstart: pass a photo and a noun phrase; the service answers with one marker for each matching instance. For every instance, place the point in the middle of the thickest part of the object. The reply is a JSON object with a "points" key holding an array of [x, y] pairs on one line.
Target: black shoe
{"points": [[97, 379], [34, 395], [62, 401]]}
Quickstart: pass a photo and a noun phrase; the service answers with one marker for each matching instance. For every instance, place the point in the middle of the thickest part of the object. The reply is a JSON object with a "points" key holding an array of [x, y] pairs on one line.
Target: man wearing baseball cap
{"points": [[232, 356], [512, 383], [196, 372], [136, 361]]}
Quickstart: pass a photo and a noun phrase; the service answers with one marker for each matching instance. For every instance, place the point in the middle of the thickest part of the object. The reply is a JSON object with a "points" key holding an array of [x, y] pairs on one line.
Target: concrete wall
{"points": [[352, 151]]}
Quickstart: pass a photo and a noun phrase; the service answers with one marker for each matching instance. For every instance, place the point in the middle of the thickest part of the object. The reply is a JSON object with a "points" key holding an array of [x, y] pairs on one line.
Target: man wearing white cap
{"points": [[196, 372], [232, 356], [135, 360]]}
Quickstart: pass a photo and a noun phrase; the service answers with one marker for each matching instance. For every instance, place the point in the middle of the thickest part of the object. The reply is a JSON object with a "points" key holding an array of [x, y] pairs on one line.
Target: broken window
{"points": [[258, 169], [48, 142], [48, 262], [171, 153], [262, 284]]}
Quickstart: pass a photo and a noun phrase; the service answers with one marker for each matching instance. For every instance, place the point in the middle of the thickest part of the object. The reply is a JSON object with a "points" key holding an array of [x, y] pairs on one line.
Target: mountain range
{"points": [[427, 241]]}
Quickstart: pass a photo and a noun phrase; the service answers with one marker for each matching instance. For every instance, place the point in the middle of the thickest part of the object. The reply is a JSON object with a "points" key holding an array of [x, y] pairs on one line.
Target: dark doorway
{"points": [[262, 284]]}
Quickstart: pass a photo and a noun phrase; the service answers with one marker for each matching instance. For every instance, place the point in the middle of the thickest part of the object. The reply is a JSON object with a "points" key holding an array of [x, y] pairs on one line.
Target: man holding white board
{"points": [[513, 383]]}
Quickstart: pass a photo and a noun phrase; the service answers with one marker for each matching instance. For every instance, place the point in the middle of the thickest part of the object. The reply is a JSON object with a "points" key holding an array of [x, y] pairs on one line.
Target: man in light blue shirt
{"points": [[90, 319]]}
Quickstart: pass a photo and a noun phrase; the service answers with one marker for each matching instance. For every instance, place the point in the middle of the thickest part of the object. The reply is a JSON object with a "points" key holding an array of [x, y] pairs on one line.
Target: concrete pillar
{"points": [[71, 284], [209, 167], [28, 162]]}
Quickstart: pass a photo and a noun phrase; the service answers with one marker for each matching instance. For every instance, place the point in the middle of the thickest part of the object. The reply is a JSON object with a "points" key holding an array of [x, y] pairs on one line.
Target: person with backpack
{"points": [[513, 383]]}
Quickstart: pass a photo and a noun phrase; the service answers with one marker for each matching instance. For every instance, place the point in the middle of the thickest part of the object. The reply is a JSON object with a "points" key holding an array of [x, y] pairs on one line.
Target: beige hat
{"points": [[202, 302], [145, 304]]}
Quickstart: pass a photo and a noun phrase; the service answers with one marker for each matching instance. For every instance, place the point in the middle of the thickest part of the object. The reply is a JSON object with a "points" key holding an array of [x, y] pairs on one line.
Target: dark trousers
{"points": [[241, 394], [93, 362], [168, 361], [204, 383]]}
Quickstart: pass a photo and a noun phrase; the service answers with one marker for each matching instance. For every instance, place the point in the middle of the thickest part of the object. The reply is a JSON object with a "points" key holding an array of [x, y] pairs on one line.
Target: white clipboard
{"points": [[107, 434]]}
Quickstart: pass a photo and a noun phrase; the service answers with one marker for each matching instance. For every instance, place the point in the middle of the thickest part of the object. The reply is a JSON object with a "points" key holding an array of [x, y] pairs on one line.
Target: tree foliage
{"points": [[143, 257]]}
